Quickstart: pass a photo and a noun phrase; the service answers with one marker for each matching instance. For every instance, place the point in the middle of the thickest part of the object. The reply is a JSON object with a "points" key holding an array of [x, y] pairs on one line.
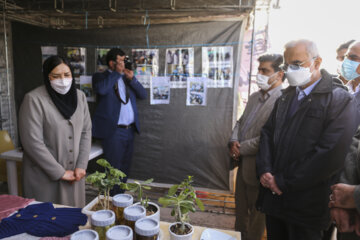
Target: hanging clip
{"points": [[59, 10], [172, 4], [100, 21], [111, 6]]}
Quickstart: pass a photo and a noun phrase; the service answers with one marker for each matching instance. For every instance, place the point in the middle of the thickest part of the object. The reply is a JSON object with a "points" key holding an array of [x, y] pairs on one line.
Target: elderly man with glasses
{"points": [[302, 146]]}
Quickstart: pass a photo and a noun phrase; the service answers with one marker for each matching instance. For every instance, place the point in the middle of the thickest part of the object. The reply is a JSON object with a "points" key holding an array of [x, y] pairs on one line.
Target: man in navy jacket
{"points": [[116, 118]]}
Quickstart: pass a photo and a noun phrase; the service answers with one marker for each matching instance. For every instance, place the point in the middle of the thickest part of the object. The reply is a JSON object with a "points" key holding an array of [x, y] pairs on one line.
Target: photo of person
{"points": [[160, 90], [179, 66], [86, 87], [101, 64], [217, 66], [146, 65], [196, 91], [76, 57]]}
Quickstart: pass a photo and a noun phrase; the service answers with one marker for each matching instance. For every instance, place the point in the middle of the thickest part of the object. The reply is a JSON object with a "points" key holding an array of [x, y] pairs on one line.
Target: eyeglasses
{"points": [[295, 66]]}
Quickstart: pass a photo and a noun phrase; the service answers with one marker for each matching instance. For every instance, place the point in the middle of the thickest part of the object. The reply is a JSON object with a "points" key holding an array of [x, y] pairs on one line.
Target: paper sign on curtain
{"points": [[196, 91], [217, 66], [179, 66], [160, 90], [76, 57], [86, 87], [147, 65]]}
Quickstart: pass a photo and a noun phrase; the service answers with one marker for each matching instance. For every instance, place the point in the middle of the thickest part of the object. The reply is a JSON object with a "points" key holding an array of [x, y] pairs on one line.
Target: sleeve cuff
{"points": [[82, 165], [58, 175], [280, 182], [357, 197]]}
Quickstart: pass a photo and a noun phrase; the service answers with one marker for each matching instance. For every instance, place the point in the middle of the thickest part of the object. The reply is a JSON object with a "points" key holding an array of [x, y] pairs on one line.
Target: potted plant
{"points": [[137, 187], [104, 182], [182, 198]]}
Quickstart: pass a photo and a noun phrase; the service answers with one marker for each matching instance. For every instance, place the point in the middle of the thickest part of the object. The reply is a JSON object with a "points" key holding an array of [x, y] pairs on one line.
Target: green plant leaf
{"points": [[117, 173], [146, 187], [200, 204], [102, 162], [150, 180], [166, 201], [172, 190]]}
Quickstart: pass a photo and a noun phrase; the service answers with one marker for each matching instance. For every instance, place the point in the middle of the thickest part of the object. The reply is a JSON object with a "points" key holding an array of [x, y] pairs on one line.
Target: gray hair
{"points": [[311, 47]]}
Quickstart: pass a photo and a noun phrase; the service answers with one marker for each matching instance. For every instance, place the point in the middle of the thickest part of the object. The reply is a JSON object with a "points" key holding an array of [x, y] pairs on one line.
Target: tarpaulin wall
{"points": [[176, 140]]}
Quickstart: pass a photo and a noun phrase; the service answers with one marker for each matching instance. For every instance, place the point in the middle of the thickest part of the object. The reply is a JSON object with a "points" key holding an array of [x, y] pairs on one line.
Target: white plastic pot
{"points": [[87, 209], [174, 236], [155, 216]]}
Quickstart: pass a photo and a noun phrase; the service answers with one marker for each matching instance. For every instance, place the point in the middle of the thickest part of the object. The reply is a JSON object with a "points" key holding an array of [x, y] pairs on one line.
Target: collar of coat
{"points": [[327, 83]]}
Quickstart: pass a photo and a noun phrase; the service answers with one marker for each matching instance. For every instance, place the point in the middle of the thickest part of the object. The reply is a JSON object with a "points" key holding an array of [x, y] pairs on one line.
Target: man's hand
{"points": [[69, 176], [128, 74], [268, 181], [234, 150], [342, 219], [79, 173], [342, 196]]}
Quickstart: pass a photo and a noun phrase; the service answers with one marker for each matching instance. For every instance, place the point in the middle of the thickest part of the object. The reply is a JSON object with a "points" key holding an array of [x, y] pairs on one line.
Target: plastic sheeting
{"points": [[176, 140]]}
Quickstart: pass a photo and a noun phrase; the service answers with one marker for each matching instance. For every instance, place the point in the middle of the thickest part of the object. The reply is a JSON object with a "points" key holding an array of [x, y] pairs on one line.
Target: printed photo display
{"points": [[86, 87], [146, 62], [76, 57], [179, 66], [101, 64], [160, 90], [196, 91], [217, 66]]}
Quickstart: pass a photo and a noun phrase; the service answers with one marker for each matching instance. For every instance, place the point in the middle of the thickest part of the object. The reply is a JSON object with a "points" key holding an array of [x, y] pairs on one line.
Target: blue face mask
{"points": [[348, 69]]}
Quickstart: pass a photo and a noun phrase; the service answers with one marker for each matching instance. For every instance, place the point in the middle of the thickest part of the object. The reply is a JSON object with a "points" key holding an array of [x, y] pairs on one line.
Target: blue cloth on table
{"points": [[43, 220]]}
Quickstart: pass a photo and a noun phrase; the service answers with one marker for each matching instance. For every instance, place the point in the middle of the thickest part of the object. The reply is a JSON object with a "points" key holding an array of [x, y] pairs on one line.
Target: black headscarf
{"points": [[67, 103]]}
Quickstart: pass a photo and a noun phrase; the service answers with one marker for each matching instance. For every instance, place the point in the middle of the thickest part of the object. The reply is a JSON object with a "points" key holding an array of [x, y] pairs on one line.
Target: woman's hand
{"points": [[79, 173], [69, 176]]}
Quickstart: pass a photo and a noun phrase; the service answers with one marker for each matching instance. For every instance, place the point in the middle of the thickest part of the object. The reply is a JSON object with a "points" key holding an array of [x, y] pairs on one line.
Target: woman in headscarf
{"points": [[55, 132]]}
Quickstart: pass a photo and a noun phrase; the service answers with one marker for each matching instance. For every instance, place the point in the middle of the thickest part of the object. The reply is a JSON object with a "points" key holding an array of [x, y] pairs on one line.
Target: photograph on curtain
{"points": [[196, 91], [160, 90], [217, 66], [147, 65], [179, 66], [100, 54], [76, 57]]}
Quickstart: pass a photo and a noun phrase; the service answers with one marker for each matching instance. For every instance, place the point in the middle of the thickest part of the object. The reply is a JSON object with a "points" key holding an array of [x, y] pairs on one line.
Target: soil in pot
{"points": [[98, 207], [176, 229], [150, 210]]}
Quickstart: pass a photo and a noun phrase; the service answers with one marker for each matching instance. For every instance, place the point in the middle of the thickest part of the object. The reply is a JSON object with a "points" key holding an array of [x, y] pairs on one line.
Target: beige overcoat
{"points": [[53, 144]]}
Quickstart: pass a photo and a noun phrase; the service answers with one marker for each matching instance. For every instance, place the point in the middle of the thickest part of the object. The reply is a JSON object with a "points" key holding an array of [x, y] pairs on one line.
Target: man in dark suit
{"points": [[116, 118], [303, 146]]}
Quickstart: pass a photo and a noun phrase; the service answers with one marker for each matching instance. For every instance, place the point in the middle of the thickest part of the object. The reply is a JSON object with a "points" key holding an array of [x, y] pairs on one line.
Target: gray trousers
{"points": [[249, 221]]}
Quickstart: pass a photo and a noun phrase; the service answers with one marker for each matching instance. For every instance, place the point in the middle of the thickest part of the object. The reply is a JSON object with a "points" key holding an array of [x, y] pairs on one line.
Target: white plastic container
{"points": [[147, 228], [102, 221], [86, 234], [120, 232], [120, 202]]}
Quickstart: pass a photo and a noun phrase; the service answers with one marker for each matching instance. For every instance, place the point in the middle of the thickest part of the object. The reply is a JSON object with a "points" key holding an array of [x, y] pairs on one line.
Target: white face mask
{"points": [[299, 77], [262, 81], [61, 86]]}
